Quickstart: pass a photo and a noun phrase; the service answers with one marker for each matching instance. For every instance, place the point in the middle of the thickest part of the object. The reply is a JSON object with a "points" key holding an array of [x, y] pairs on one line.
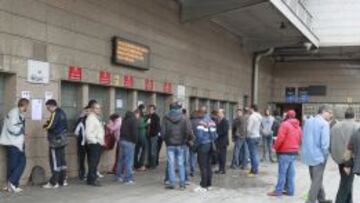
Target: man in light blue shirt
{"points": [[315, 151]]}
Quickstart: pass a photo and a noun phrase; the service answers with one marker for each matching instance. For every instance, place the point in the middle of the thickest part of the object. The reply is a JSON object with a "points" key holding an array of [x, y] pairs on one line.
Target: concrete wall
{"points": [[266, 70], [201, 56], [341, 79]]}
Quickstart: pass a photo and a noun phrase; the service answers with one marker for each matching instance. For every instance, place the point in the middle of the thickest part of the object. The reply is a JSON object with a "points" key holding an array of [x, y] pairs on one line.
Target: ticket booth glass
{"points": [[122, 103], [101, 95], [71, 102]]}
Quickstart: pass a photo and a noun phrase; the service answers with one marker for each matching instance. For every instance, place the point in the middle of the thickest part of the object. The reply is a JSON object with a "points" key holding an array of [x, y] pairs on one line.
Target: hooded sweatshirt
{"points": [[13, 132], [176, 129], [289, 137], [129, 130]]}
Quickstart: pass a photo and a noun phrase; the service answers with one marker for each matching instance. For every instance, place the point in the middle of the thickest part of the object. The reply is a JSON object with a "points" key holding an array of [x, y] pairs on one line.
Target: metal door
{"points": [[122, 102], [71, 102], [101, 95]]}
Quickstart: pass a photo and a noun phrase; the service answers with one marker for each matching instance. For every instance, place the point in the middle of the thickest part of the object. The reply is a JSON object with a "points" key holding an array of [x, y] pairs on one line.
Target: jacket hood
{"points": [[294, 122], [174, 116]]}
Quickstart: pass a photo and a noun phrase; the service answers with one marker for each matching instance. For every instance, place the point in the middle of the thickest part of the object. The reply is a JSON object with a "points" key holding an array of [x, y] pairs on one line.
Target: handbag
{"points": [[109, 140], [59, 140]]}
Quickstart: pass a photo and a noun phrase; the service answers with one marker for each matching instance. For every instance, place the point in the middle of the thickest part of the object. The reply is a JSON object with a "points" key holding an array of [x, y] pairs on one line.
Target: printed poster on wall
{"points": [[119, 103], [290, 94], [36, 109], [104, 77], [25, 94], [167, 87], [128, 81], [38, 72], [74, 73]]}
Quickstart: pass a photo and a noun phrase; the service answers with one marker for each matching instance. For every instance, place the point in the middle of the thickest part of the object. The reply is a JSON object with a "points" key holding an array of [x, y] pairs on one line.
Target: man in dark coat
{"points": [[222, 141]]}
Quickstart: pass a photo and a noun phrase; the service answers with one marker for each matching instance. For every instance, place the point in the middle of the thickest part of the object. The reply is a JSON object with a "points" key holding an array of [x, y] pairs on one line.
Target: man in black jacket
{"points": [[177, 132], [222, 141], [153, 132], [129, 137]]}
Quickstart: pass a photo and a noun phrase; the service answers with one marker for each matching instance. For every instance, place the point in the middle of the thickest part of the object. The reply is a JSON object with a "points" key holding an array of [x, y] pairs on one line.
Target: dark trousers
{"points": [[344, 194], [16, 162], [159, 145], [57, 165], [204, 160], [81, 152], [93, 155], [152, 152], [221, 151], [141, 152]]}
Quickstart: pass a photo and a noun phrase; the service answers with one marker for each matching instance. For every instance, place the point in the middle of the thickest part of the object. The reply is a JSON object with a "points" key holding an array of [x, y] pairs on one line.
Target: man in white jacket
{"points": [[253, 138], [95, 134], [13, 138]]}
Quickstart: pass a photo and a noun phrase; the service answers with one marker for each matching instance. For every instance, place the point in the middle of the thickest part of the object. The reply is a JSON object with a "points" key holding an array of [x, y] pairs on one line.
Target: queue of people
{"points": [[191, 141]]}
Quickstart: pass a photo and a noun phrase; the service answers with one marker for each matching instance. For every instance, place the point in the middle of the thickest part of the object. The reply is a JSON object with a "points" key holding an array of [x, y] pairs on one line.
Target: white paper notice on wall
{"points": [[36, 109], [38, 71], [140, 102], [25, 94], [48, 95], [119, 103]]}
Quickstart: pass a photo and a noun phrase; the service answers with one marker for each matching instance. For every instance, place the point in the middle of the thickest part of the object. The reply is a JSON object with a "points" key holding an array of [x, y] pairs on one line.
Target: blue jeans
{"points": [[186, 162], [286, 174], [267, 147], [253, 144], [16, 162], [176, 154], [240, 153], [125, 161]]}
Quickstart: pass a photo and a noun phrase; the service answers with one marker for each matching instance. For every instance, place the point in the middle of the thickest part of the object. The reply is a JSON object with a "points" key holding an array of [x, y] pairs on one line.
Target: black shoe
{"points": [[326, 201], [170, 187], [182, 187], [219, 172], [95, 184]]}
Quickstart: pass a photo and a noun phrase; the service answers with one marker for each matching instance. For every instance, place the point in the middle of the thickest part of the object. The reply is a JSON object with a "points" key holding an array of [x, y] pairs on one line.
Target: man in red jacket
{"points": [[287, 145]]}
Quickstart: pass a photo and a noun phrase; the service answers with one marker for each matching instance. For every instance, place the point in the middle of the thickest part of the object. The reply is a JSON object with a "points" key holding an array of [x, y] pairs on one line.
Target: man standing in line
{"points": [[253, 130], [315, 151], [56, 128], [222, 141], [94, 133], [13, 138], [239, 133], [177, 132], [153, 124], [340, 137], [267, 135]]}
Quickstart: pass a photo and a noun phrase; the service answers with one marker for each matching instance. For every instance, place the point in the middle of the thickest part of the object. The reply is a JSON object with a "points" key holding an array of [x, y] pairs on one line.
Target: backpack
{"points": [[109, 139], [37, 176]]}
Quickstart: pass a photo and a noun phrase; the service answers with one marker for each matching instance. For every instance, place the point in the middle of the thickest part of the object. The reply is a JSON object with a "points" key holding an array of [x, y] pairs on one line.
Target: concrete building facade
{"points": [[201, 56]]}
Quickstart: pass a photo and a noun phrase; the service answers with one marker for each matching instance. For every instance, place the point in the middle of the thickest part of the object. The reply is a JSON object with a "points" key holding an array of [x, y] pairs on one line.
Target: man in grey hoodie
{"points": [[340, 137], [177, 132]]}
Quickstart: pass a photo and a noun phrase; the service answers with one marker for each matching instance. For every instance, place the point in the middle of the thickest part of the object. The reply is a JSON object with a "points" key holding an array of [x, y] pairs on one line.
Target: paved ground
{"points": [[232, 187]]}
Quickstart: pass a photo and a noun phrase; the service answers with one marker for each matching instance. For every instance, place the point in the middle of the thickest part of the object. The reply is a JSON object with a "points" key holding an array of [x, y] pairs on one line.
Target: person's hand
{"points": [[347, 170]]}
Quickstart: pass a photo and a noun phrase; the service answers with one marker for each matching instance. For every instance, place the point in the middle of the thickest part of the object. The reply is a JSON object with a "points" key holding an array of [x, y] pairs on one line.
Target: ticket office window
{"points": [[213, 105], [192, 108], [232, 111], [161, 105], [122, 103], [101, 95], [144, 98], [203, 102], [71, 102], [2, 99]]}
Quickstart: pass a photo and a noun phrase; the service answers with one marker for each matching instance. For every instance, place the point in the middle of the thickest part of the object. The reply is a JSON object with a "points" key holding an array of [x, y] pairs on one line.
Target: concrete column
{"points": [[133, 95], [153, 99], [218, 104], [84, 94], [197, 104], [111, 101]]}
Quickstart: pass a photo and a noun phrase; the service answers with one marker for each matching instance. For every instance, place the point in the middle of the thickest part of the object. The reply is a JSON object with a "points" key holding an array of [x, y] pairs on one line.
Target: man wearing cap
{"points": [[177, 132], [287, 147], [315, 151]]}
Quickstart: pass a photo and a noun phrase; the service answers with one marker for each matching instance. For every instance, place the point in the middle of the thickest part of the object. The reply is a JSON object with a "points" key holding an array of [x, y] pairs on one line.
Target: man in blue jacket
{"points": [[315, 151], [56, 128]]}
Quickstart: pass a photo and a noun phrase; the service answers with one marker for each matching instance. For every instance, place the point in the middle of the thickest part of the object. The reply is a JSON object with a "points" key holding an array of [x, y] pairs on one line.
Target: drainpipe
{"points": [[255, 73]]}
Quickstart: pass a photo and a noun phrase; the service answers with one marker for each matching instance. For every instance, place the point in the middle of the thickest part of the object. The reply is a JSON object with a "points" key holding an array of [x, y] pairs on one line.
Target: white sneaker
{"points": [[13, 188], [210, 188], [200, 189], [120, 180], [99, 175], [130, 182], [65, 184], [50, 186]]}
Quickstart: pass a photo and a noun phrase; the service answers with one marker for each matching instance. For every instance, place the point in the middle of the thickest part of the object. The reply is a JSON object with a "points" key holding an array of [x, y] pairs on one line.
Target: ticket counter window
{"points": [[232, 111], [213, 105], [203, 102], [192, 105], [144, 98], [71, 102], [122, 102], [101, 95], [2, 99], [161, 105]]}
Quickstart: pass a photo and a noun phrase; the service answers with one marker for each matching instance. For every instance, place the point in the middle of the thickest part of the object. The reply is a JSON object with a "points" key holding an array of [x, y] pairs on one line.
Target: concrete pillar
{"points": [[153, 98], [111, 101], [133, 97], [84, 94], [197, 105]]}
